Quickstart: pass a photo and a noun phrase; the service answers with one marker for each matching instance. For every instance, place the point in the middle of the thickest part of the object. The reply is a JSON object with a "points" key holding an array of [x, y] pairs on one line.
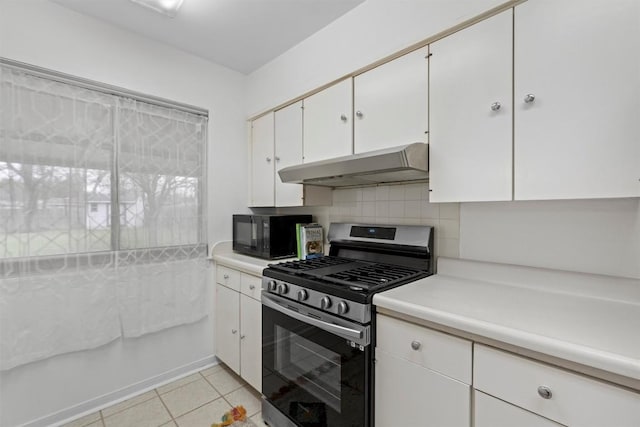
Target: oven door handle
{"points": [[326, 326]]}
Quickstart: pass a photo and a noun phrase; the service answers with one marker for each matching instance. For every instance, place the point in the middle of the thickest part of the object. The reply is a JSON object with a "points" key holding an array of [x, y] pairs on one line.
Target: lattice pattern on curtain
{"points": [[101, 218]]}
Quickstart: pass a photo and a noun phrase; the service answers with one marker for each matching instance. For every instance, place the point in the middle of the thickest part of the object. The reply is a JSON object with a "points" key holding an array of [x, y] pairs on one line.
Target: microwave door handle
{"points": [[329, 327]]}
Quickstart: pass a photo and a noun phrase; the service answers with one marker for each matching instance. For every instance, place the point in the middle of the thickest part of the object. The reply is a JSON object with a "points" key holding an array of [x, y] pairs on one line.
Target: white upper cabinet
{"points": [[327, 123], [577, 99], [262, 162], [390, 103], [288, 152], [470, 151]]}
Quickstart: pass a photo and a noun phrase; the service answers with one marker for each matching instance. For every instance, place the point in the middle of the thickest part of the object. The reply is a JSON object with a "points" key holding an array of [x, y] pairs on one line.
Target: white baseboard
{"points": [[90, 406]]}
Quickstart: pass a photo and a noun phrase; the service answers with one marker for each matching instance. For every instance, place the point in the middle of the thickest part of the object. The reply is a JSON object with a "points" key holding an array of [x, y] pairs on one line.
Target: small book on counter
{"points": [[309, 238]]}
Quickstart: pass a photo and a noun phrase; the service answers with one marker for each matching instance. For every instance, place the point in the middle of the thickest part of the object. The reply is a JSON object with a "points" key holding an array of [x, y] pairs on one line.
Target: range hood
{"points": [[397, 164]]}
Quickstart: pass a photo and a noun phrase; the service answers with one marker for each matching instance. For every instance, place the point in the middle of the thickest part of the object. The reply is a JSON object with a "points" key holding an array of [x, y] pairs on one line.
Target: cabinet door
{"points": [[390, 103], [228, 327], [251, 341], [491, 412], [470, 135], [288, 152], [262, 169], [327, 123], [409, 395], [579, 137]]}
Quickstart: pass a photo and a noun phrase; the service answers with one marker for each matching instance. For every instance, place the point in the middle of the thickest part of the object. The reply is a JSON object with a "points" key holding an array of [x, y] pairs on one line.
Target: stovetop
{"points": [[349, 272], [351, 279]]}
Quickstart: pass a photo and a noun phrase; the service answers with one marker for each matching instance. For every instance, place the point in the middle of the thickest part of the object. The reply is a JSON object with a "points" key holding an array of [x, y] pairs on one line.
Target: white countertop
{"points": [[222, 253], [587, 319]]}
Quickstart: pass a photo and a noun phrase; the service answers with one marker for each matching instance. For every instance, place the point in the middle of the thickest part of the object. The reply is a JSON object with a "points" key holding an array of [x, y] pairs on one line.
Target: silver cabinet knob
{"points": [[241, 337], [359, 114], [325, 303], [234, 331], [343, 307], [277, 159], [495, 106], [226, 276], [416, 345], [544, 392], [529, 98], [302, 295], [268, 159], [252, 287], [343, 117]]}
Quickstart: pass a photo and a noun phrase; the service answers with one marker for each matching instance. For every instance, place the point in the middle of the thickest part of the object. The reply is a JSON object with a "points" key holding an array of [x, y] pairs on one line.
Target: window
{"points": [[101, 207], [70, 155]]}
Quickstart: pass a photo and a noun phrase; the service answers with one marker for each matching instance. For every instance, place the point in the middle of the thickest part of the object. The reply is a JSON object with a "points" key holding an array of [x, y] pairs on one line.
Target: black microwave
{"points": [[267, 236]]}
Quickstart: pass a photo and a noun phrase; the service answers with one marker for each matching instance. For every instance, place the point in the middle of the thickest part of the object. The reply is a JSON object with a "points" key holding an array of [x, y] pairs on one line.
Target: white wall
{"points": [[42, 33], [593, 236], [367, 33]]}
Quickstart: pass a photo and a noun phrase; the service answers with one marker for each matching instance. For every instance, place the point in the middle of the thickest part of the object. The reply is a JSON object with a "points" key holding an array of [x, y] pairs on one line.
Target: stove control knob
{"points": [[325, 303], [303, 295], [283, 289], [272, 286], [343, 307]]}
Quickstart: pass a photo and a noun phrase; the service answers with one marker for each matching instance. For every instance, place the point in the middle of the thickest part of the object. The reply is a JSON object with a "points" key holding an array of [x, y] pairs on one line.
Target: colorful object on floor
{"points": [[237, 413]]}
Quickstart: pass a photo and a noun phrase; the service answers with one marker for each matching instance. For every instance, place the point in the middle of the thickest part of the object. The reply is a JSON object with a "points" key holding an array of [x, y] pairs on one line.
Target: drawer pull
{"points": [[226, 276], [252, 287], [416, 345], [545, 392]]}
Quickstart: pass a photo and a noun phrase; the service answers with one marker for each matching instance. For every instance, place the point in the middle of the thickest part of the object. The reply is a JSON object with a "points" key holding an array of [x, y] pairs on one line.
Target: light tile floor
{"points": [[197, 400]]}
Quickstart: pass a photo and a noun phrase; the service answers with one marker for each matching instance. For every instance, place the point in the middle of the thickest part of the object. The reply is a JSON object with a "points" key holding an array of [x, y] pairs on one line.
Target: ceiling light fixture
{"points": [[166, 7]]}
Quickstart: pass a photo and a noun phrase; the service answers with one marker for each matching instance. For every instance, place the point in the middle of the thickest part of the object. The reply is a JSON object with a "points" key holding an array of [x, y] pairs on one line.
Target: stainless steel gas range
{"points": [[318, 323]]}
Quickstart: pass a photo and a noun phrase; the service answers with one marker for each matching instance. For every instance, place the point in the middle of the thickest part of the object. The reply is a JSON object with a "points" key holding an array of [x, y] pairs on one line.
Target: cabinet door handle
{"points": [[359, 114], [226, 276], [343, 117], [544, 392], [529, 98], [241, 337], [268, 159], [416, 345], [277, 159], [252, 287], [495, 106], [234, 331]]}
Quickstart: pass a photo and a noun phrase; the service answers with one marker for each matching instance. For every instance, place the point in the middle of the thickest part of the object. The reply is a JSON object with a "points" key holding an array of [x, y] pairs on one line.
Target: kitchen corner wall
{"points": [[396, 204]]}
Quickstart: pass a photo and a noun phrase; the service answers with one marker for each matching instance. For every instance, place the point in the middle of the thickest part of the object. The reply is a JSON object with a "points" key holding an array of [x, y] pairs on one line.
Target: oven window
{"points": [[311, 366]]}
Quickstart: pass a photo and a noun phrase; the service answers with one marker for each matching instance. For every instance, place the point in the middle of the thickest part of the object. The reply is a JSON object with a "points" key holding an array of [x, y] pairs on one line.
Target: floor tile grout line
{"points": [[124, 409], [165, 406]]}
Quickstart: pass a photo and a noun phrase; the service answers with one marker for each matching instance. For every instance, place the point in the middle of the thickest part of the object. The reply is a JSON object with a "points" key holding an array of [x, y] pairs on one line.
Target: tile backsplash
{"points": [[397, 204]]}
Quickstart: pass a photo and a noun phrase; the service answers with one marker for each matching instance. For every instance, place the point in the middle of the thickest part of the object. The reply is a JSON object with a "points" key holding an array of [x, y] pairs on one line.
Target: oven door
{"points": [[315, 372]]}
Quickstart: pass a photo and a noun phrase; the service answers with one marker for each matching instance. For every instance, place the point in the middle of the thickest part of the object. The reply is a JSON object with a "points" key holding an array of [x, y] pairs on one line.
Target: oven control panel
{"points": [[327, 303]]}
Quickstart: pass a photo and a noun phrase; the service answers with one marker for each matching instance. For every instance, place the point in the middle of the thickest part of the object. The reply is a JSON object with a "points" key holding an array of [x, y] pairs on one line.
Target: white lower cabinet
{"points": [[239, 324], [561, 396], [422, 377], [410, 395], [492, 412]]}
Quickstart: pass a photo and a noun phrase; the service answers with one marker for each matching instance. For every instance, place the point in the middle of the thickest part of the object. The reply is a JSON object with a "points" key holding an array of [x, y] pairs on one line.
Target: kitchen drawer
{"points": [[250, 285], [434, 350], [228, 277], [574, 399]]}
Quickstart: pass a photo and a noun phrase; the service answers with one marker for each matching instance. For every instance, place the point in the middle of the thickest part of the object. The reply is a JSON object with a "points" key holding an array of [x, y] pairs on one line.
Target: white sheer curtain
{"points": [[101, 217]]}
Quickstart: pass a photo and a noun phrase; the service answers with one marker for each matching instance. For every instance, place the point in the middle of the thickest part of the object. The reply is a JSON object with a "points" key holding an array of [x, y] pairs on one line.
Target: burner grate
{"points": [[373, 275], [309, 264]]}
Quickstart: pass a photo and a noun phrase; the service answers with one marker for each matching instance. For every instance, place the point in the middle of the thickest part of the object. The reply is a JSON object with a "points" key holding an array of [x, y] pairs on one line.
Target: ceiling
{"points": [[239, 34]]}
